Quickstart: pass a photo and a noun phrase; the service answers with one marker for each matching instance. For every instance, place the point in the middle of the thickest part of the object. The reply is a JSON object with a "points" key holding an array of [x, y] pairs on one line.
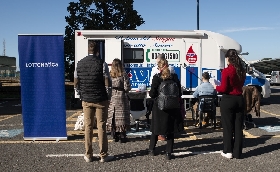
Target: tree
{"points": [[266, 59], [96, 15]]}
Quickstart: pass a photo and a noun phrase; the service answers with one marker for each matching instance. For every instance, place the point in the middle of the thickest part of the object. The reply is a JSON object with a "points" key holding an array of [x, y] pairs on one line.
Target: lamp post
{"points": [[197, 14]]}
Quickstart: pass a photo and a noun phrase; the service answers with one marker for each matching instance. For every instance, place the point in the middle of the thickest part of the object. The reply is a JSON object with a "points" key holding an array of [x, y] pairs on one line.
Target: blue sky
{"points": [[255, 24]]}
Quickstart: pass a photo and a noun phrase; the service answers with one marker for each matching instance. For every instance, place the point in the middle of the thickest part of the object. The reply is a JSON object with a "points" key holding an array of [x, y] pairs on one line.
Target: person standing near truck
{"points": [[232, 105], [150, 102], [165, 121], [119, 110], [91, 82]]}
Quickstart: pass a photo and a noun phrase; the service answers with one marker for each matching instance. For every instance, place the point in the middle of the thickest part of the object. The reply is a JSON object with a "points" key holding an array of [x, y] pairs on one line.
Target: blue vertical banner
{"points": [[42, 78]]}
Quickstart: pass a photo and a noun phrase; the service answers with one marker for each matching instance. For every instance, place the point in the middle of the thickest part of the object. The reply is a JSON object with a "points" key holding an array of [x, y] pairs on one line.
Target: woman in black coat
{"points": [[164, 122]]}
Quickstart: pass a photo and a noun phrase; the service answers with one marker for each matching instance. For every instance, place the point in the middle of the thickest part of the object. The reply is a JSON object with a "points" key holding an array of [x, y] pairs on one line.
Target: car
{"points": [[268, 77]]}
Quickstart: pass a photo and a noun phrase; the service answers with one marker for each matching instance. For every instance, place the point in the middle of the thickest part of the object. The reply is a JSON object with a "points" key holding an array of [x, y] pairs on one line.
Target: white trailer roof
{"points": [[223, 42], [140, 32]]}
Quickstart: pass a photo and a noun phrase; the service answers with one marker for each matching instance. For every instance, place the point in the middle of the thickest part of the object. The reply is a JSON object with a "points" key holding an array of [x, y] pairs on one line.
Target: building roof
{"points": [[266, 66], [7, 63]]}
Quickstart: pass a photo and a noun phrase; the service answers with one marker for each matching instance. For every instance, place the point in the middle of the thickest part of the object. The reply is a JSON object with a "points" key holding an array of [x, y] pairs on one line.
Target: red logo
{"points": [[129, 75], [191, 56]]}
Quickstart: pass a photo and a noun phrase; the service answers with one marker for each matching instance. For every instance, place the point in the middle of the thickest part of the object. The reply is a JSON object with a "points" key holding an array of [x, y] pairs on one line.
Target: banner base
{"points": [[45, 138]]}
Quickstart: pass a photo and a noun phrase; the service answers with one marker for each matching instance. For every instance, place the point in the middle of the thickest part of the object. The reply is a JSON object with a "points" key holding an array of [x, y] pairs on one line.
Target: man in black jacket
{"points": [[92, 86]]}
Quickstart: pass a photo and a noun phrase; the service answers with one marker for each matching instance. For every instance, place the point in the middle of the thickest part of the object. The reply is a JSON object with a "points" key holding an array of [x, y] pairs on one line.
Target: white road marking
{"points": [[68, 155], [10, 125], [196, 153], [175, 154]]}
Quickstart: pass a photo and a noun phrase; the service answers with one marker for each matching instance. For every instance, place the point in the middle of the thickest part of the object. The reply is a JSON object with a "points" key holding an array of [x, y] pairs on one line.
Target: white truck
{"points": [[275, 78], [190, 52]]}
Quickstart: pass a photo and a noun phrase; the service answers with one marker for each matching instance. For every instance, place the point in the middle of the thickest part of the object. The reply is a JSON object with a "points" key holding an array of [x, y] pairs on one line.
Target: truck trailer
{"points": [[190, 53]]}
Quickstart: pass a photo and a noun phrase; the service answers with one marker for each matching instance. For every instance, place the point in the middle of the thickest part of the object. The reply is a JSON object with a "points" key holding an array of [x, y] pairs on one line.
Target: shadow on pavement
{"points": [[261, 149], [183, 146], [273, 99], [270, 121], [10, 107]]}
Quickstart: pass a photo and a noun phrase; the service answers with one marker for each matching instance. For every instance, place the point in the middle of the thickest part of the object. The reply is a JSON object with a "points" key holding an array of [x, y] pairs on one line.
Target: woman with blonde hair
{"points": [[119, 111], [164, 122], [150, 102]]}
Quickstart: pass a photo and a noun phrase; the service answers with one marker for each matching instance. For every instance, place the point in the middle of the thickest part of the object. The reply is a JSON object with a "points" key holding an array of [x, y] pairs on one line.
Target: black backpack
{"points": [[169, 95]]}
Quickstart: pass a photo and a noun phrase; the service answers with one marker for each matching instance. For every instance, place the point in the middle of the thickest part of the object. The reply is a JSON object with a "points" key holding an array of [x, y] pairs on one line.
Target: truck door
{"points": [[113, 49]]}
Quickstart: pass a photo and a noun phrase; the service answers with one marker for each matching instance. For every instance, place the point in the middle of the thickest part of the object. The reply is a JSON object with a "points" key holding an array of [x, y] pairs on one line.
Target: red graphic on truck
{"points": [[129, 75], [191, 56]]}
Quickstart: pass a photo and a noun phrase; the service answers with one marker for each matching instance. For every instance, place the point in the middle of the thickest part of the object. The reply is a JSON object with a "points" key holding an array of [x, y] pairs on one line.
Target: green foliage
{"points": [[266, 58], [96, 15]]}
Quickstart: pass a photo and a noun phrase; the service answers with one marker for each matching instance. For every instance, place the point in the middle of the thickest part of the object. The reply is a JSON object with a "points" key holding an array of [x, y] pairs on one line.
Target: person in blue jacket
{"points": [[205, 88]]}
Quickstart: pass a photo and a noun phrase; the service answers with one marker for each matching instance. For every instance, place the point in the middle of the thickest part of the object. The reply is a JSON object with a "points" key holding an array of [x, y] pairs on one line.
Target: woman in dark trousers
{"points": [[232, 105], [164, 122]]}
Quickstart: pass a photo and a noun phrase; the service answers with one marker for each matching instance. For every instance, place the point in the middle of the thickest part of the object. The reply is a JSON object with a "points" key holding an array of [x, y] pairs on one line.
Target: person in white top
{"points": [[150, 102]]}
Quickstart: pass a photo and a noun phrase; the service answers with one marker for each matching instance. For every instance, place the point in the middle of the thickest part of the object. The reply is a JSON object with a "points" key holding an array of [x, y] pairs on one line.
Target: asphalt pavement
{"points": [[194, 150]]}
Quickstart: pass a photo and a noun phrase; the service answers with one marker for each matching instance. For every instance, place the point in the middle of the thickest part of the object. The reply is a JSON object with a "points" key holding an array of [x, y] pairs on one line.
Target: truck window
{"points": [[133, 55]]}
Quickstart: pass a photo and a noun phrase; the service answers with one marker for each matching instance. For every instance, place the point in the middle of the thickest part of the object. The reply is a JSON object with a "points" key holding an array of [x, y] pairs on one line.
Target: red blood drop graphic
{"points": [[191, 56]]}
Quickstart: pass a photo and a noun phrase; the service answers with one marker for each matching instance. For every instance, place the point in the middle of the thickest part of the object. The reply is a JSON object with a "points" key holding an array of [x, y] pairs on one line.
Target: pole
{"points": [[197, 14]]}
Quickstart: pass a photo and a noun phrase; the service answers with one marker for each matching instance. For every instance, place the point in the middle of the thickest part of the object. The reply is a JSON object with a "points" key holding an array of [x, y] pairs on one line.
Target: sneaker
{"points": [[227, 155], [88, 159], [107, 158]]}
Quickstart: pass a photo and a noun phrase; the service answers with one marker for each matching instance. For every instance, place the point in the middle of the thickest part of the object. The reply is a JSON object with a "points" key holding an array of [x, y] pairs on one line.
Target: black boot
{"points": [[116, 136], [123, 138]]}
